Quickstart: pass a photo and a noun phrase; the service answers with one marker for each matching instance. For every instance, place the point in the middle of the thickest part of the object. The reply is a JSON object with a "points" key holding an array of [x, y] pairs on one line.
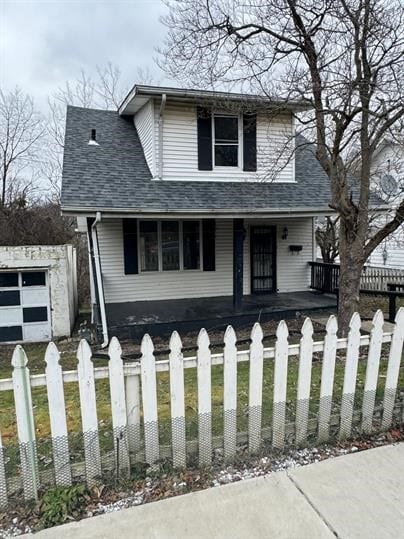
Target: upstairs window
{"points": [[226, 140]]}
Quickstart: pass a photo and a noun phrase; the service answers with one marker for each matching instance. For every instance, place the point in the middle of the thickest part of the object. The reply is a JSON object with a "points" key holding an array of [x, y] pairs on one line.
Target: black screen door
{"points": [[263, 259]]}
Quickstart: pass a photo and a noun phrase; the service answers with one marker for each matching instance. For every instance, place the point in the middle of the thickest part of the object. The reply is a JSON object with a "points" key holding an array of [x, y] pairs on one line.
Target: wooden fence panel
{"points": [[230, 392], [57, 416], [149, 401], [177, 401], [126, 408], [304, 382], [350, 375], [25, 423], [327, 379], [280, 385], [372, 372], [393, 370], [118, 407], [88, 405], [204, 399]]}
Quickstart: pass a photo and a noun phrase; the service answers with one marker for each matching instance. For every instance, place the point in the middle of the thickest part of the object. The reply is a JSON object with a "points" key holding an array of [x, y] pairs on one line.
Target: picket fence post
{"points": [[3, 483], [204, 399], [372, 372], [88, 405], [118, 406], [327, 379], [149, 402], [25, 423], [255, 388], [393, 369], [177, 401], [230, 393], [350, 375], [280, 385], [57, 416], [304, 382]]}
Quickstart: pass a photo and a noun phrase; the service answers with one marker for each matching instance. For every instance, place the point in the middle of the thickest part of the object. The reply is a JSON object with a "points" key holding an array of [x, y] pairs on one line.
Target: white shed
{"points": [[38, 292]]}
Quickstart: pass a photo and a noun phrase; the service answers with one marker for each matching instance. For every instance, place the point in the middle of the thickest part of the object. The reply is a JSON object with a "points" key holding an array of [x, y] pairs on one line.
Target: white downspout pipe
{"points": [[99, 279], [160, 122]]}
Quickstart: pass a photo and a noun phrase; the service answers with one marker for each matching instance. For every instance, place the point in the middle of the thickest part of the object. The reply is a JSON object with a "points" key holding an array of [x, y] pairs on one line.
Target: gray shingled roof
{"points": [[115, 176]]}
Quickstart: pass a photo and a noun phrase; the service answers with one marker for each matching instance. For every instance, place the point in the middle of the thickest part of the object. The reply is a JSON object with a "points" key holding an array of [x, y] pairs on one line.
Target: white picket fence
{"points": [[377, 278], [135, 404]]}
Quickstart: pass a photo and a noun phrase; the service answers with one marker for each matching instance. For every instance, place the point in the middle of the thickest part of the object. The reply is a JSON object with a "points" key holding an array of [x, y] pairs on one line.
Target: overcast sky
{"points": [[46, 42]]}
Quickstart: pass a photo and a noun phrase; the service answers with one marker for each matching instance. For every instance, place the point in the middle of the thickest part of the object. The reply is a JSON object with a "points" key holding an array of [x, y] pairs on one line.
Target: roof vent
{"points": [[93, 138]]}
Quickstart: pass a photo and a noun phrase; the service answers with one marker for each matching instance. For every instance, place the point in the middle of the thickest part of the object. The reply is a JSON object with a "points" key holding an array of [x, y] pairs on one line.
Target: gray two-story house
{"points": [[199, 206]]}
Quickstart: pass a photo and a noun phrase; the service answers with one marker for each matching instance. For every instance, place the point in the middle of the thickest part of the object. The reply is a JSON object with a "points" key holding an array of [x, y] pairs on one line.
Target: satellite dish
{"points": [[389, 185]]}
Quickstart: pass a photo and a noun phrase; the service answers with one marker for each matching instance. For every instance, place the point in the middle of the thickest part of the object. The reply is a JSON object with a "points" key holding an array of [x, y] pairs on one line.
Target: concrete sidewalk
{"points": [[360, 495]]}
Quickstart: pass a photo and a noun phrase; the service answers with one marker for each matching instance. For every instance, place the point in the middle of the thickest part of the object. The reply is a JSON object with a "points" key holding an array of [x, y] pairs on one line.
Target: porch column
{"points": [[238, 241]]}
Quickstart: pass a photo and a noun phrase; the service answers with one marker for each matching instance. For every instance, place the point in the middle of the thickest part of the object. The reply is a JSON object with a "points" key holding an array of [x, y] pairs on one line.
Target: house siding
{"points": [[292, 270], [144, 123], [275, 159], [393, 245]]}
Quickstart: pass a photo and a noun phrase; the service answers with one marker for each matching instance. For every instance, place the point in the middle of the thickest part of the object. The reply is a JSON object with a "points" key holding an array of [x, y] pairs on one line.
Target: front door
{"points": [[263, 259]]}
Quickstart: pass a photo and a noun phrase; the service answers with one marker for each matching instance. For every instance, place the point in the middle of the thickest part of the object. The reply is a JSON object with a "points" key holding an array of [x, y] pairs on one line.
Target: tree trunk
{"points": [[351, 263]]}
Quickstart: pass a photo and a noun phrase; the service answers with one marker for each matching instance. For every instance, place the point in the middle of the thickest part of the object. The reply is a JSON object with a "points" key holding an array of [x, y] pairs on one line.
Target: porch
{"points": [[134, 319]]}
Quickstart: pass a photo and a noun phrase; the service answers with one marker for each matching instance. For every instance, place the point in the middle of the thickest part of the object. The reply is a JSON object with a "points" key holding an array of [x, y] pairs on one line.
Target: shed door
{"points": [[24, 306], [263, 259]]}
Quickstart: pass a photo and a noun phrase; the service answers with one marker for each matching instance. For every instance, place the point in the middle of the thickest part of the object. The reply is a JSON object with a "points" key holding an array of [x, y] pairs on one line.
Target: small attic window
{"points": [[93, 138]]}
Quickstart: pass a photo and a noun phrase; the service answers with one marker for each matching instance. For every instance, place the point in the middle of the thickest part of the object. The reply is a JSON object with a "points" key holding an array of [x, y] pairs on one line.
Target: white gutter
{"points": [[160, 123], [99, 279]]}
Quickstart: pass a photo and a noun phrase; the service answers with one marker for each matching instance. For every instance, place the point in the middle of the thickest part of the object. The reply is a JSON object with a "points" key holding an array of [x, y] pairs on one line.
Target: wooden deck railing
{"points": [[324, 277]]}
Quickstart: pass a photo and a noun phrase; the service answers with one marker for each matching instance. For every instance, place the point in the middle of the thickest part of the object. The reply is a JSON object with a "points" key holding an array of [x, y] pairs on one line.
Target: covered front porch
{"points": [[133, 320]]}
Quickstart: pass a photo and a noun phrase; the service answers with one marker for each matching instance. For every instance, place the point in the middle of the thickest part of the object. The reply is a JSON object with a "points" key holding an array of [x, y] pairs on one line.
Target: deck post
{"points": [[238, 246]]}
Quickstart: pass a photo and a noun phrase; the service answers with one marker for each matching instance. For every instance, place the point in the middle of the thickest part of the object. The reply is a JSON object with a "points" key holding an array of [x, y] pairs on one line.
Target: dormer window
{"points": [[226, 140]]}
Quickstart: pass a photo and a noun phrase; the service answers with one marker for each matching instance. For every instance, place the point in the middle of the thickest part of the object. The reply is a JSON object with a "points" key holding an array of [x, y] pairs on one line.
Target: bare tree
{"points": [[344, 56], [21, 130], [327, 239]]}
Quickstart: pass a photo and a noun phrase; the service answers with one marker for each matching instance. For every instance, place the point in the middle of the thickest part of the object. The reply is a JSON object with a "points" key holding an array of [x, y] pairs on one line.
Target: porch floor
{"points": [[161, 317]]}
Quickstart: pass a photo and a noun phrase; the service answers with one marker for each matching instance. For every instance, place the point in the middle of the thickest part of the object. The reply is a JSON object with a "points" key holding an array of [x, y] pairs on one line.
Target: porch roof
{"points": [[114, 177]]}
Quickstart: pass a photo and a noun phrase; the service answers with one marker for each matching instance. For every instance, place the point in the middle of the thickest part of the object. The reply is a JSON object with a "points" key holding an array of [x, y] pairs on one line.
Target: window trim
{"points": [[181, 247], [240, 156]]}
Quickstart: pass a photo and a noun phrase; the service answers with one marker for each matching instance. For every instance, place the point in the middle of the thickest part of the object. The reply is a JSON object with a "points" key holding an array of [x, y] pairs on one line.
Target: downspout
{"points": [[160, 122], [99, 279]]}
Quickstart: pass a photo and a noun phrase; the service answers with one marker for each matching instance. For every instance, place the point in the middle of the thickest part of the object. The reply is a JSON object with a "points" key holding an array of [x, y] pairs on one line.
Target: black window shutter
{"points": [[209, 244], [204, 139], [130, 246], [250, 142]]}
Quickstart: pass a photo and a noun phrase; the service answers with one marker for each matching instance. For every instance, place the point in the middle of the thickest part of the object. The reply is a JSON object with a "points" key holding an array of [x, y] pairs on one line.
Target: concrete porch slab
{"points": [[162, 317]]}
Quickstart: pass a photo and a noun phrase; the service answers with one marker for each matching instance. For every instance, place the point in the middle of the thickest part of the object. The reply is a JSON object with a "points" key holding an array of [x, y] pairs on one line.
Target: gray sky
{"points": [[46, 42]]}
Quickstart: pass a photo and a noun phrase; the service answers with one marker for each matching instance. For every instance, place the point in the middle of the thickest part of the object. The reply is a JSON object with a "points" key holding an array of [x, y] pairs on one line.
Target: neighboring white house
{"points": [[388, 181], [38, 292], [192, 194]]}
